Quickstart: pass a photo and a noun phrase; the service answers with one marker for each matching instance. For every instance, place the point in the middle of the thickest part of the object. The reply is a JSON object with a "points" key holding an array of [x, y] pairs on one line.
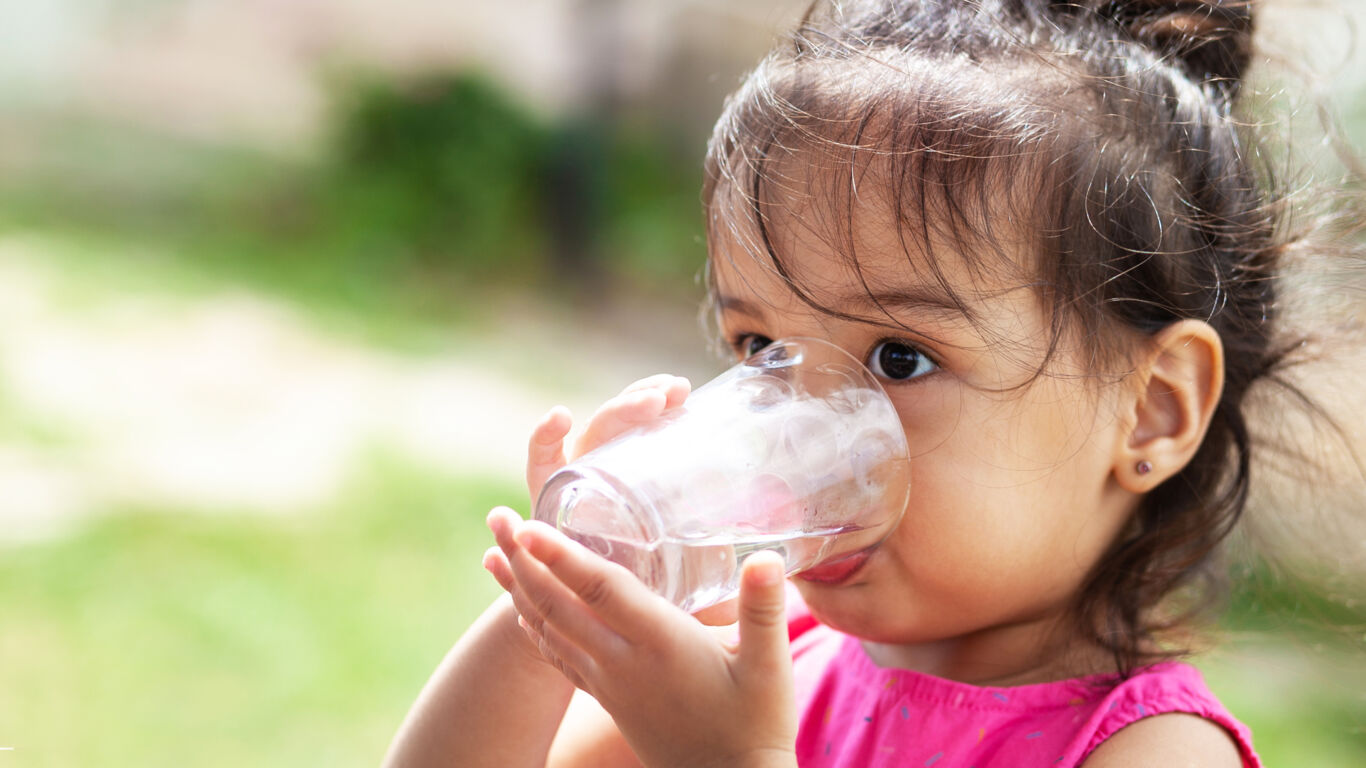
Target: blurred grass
{"points": [[170, 638], [1302, 700], [1291, 664]]}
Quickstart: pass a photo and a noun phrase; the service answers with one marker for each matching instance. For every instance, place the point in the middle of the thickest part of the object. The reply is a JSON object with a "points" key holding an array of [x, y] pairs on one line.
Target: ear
{"points": [[1177, 385]]}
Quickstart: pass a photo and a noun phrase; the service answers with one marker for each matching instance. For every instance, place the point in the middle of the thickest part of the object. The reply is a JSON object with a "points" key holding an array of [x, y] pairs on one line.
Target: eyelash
{"points": [[739, 343], [740, 346], [923, 357]]}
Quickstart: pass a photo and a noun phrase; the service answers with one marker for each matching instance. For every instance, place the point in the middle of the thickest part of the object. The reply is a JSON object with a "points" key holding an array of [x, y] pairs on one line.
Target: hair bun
{"points": [[1212, 38]]}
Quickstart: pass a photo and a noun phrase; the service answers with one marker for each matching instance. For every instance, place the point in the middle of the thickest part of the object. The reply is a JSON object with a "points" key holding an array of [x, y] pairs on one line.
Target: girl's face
{"points": [[1012, 497]]}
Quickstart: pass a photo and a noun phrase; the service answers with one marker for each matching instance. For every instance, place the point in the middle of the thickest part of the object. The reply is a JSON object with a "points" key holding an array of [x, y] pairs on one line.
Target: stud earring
{"points": [[1144, 467]]}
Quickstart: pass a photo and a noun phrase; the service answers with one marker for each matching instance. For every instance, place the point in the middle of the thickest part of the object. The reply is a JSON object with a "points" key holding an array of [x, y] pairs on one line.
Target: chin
{"points": [[832, 606], [867, 619]]}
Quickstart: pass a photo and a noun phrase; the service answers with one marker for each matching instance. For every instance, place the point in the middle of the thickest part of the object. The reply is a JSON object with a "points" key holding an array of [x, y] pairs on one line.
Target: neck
{"points": [[1016, 654]]}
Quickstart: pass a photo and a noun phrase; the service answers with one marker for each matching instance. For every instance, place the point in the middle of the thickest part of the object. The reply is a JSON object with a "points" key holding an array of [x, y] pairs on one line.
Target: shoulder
{"points": [[1165, 715], [1173, 739]]}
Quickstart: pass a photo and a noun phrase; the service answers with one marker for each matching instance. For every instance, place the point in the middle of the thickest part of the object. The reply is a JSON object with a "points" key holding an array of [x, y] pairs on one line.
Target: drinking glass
{"points": [[796, 449]]}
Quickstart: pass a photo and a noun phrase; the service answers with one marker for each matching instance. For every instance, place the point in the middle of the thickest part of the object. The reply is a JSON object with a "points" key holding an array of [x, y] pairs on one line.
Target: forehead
{"points": [[851, 233]]}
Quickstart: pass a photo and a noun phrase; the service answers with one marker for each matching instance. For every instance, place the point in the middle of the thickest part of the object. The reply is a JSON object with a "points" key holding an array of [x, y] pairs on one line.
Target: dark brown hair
{"points": [[1111, 127]]}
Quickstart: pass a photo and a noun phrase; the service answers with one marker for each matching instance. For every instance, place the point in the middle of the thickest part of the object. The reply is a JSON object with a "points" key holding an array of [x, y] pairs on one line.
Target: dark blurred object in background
{"points": [[442, 169]]}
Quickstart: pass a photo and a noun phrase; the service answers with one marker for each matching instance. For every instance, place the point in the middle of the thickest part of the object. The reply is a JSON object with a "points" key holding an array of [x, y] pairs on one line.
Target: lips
{"points": [[837, 571]]}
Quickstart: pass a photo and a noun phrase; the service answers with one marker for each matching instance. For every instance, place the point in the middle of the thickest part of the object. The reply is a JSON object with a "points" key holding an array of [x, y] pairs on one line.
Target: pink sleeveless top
{"points": [[853, 713]]}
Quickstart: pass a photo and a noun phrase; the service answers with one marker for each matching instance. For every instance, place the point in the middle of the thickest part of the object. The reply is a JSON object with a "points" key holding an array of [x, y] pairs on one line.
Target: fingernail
{"points": [[768, 571], [496, 520], [775, 564]]}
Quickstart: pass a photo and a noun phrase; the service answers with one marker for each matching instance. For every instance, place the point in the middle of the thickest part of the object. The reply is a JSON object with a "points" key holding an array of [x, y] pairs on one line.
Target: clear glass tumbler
{"points": [[797, 449]]}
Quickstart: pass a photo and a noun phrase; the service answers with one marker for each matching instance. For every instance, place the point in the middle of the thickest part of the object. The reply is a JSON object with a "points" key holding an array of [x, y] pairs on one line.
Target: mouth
{"points": [[837, 571]]}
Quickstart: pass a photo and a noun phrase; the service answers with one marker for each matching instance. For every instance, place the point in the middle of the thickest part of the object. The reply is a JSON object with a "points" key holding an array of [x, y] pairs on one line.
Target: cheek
{"points": [[984, 552], [961, 517], [930, 415], [1043, 441], [1004, 494]]}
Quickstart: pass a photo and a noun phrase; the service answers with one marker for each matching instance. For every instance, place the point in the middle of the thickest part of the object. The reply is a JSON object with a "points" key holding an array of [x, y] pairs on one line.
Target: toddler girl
{"points": [[1039, 224]]}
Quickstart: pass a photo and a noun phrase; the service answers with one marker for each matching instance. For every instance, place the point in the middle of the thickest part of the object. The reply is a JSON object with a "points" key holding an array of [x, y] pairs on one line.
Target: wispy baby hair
{"points": [[1105, 132]]}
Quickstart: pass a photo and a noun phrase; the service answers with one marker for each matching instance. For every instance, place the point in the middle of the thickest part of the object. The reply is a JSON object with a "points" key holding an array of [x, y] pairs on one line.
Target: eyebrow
{"points": [[916, 300], [926, 301]]}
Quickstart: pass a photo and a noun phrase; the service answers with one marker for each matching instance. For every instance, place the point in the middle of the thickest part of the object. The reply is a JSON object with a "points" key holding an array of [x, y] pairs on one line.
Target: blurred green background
{"points": [[284, 285]]}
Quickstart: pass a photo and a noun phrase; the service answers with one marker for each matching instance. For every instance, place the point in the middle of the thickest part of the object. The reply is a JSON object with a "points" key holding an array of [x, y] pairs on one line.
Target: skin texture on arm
{"points": [[588, 738], [1168, 741], [492, 702]]}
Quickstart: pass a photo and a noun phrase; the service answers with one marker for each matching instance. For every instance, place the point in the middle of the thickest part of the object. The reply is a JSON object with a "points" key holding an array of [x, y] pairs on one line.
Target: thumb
{"points": [[763, 615]]}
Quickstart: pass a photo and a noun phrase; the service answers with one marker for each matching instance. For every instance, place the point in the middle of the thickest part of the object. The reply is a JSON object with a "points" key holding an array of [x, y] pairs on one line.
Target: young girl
{"points": [[1039, 223]]}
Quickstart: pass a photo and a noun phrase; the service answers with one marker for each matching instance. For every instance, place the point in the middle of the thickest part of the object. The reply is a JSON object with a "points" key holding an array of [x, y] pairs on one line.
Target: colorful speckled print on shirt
{"points": [[854, 714]]}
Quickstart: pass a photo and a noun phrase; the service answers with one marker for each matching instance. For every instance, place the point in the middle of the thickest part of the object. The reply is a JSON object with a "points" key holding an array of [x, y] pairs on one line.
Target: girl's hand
{"points": [[640, 403], [679, 696]]}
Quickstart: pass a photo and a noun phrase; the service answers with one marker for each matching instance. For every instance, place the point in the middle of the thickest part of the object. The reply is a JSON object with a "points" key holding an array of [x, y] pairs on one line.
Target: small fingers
{"points": [[502, 561], [545, 450], [616, 597], [640, 403], [496, 563], [675, 388], [620, 414], [498, 560], [677, 392], [502, 521], [551, 602]]}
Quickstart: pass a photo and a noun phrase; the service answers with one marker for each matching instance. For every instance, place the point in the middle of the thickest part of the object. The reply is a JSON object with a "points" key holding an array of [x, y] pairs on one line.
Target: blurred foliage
{"points": [[425, 192], [1322, 607], [446, 169], [450, 170]]}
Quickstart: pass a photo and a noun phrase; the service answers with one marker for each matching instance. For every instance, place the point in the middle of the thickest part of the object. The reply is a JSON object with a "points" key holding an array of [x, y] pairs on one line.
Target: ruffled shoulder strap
{"points": [[1162, 689]]}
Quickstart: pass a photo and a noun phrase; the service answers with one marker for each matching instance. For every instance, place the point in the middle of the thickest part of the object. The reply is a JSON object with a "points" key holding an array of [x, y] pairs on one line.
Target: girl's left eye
{"points": [[899, 361], [749, 344]]}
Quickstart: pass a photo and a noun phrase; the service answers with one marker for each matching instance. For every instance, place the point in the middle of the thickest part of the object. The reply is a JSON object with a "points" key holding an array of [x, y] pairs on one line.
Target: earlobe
{"points": [[1178, 382]]}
